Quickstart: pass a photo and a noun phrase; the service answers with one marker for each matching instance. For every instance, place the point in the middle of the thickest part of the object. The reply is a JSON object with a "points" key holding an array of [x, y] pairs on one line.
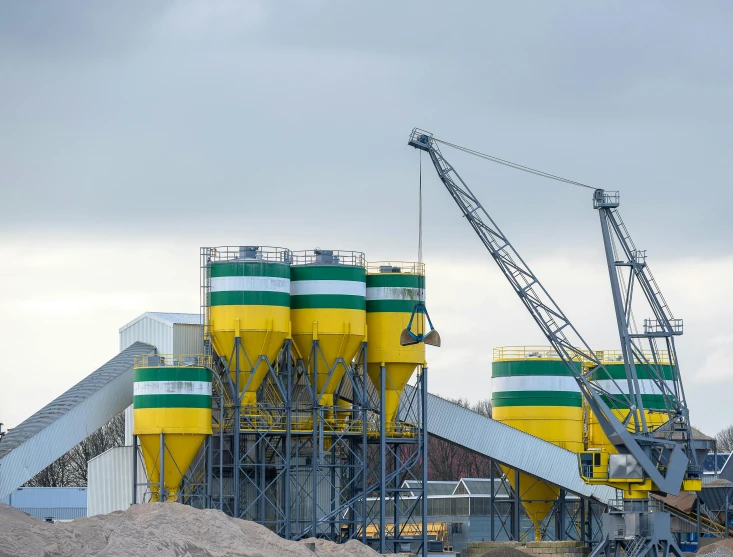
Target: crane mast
{"points": [[647, 461], [628, 272]]}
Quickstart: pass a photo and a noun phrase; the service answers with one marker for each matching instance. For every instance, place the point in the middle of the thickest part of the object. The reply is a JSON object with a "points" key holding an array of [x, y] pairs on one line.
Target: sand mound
{"points": [[723, 548], [161, 529], [504, 552]]}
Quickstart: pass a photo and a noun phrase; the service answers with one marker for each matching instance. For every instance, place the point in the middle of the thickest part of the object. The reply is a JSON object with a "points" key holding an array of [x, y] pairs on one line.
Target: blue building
{"points": [[56, 503]]}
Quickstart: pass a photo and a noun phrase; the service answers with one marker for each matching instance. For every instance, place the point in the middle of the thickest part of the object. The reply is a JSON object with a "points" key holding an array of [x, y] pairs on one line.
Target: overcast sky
{"points": [[132, 134]]}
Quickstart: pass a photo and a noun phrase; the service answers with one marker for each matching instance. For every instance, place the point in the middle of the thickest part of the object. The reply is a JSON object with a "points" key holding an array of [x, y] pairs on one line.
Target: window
{"points": [[597, 459]]}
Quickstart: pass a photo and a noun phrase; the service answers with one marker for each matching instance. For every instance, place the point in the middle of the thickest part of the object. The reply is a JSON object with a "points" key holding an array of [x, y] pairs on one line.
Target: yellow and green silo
{"points": [[392, 292], [655, 409], [533, 391], [250, 299], [328, 305], [172, 397]]}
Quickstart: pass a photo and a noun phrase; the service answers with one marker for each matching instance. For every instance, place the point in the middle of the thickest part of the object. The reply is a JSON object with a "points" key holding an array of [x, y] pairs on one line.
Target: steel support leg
{"points": [[560, 534], [396, 499], [365, 448], [492, 500], [134, 469], [161, 485], [516, 510], [236, 428], [582, 520], [727, 498], [382, 459], [288, 436], [424, 513], [210, 473]]}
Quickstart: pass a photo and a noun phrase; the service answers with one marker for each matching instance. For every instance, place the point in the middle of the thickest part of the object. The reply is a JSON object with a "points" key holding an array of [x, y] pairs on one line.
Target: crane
{"points": [[647, 460]]}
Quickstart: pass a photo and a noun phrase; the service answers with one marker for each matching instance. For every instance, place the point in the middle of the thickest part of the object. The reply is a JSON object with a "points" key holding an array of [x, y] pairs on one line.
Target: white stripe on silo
{"points": [[172, 388], [250, 284], [394, 293], [344, 287], [646, 386], [534, 383]]}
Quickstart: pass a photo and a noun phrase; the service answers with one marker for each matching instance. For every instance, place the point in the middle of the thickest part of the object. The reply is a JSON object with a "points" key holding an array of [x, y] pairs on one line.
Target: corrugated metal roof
{"points": [[476, 486], [509, 446], [435, 487], [57, 427], [166, 318], [714, 494]]}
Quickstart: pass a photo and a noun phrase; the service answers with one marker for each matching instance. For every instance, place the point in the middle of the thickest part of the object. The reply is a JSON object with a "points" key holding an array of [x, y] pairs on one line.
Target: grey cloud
{"points": [[131, 120]]}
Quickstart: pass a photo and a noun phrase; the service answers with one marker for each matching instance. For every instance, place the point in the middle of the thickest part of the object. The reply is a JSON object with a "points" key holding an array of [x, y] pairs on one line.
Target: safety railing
{"points": [[616, 356], [404, 267], [525, 353], [329, 257], [247, 253], [548, 353], [172, 360]]}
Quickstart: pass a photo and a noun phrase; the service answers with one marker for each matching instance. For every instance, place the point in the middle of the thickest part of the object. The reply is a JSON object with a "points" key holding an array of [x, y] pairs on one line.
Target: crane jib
{"points": [[662, 456]]}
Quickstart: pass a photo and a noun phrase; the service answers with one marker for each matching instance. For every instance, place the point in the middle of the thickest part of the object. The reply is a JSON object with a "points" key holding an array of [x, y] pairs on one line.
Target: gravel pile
{"points": [[723, 548], [160, 529], [504, 552]]}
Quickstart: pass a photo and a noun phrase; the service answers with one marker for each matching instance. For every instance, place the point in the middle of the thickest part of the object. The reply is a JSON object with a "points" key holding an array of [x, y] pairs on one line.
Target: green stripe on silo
{"points": [[171, 401], [395, 280], [393, 306], [650, 402], [249, 269], [530, 367], [618, 371], [172, 374], [536, 398], [250, 298], [330, 272]]}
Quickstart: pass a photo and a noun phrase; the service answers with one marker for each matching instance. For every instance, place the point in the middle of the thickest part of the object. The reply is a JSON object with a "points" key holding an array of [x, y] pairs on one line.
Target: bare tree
{"points": [[448, 461], [724, 439], [71, 469], [483, 407]]}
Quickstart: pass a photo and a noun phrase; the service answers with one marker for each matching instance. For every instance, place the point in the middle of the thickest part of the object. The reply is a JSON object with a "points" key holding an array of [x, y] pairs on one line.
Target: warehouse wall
{"points": [[110, 481]]}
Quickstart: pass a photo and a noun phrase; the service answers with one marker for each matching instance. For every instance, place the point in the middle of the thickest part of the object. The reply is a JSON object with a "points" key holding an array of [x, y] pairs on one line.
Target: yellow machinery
{"points": [[594, 463], [655, 409], [172, 416], [328, 305], [393, 289], [249, 316], [533, 391]]}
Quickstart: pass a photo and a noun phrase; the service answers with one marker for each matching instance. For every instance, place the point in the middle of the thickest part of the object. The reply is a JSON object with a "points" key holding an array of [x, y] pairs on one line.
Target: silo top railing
{"points": [[172, 360], [404, 267], [248, 253], [329, 257]]}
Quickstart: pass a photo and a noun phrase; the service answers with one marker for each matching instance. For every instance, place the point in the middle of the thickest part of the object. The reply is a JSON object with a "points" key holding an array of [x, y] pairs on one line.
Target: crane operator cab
{"points": [[594, 466], [624, 472]]}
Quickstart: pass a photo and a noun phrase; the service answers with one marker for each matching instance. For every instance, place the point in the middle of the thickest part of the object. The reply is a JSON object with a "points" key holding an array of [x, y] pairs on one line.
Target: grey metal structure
{"points": [[661, 459], [622, 254], [294, 465], [66, 421], [511, 447]]}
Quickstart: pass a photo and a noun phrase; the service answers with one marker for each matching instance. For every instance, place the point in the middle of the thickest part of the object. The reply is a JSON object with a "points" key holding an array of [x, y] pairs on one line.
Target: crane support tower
{"points": [[644, 459]]}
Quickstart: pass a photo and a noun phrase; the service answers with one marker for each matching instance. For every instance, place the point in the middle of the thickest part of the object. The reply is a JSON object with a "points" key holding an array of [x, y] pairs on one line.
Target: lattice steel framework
{"points": [[304, 469]]}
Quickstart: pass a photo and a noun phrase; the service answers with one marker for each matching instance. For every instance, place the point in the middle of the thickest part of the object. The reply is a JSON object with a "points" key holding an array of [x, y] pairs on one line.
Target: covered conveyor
{"points": [[66, 421]]}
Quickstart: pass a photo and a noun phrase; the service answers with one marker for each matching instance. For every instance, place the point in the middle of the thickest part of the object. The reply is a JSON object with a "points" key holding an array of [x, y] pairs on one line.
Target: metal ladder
{"points": [[635, 547]]}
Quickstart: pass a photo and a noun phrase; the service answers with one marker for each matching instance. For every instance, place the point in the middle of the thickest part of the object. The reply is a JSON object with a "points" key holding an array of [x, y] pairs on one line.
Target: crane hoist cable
{"points": [[515, 165], [409, 337], [419, 220]]}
